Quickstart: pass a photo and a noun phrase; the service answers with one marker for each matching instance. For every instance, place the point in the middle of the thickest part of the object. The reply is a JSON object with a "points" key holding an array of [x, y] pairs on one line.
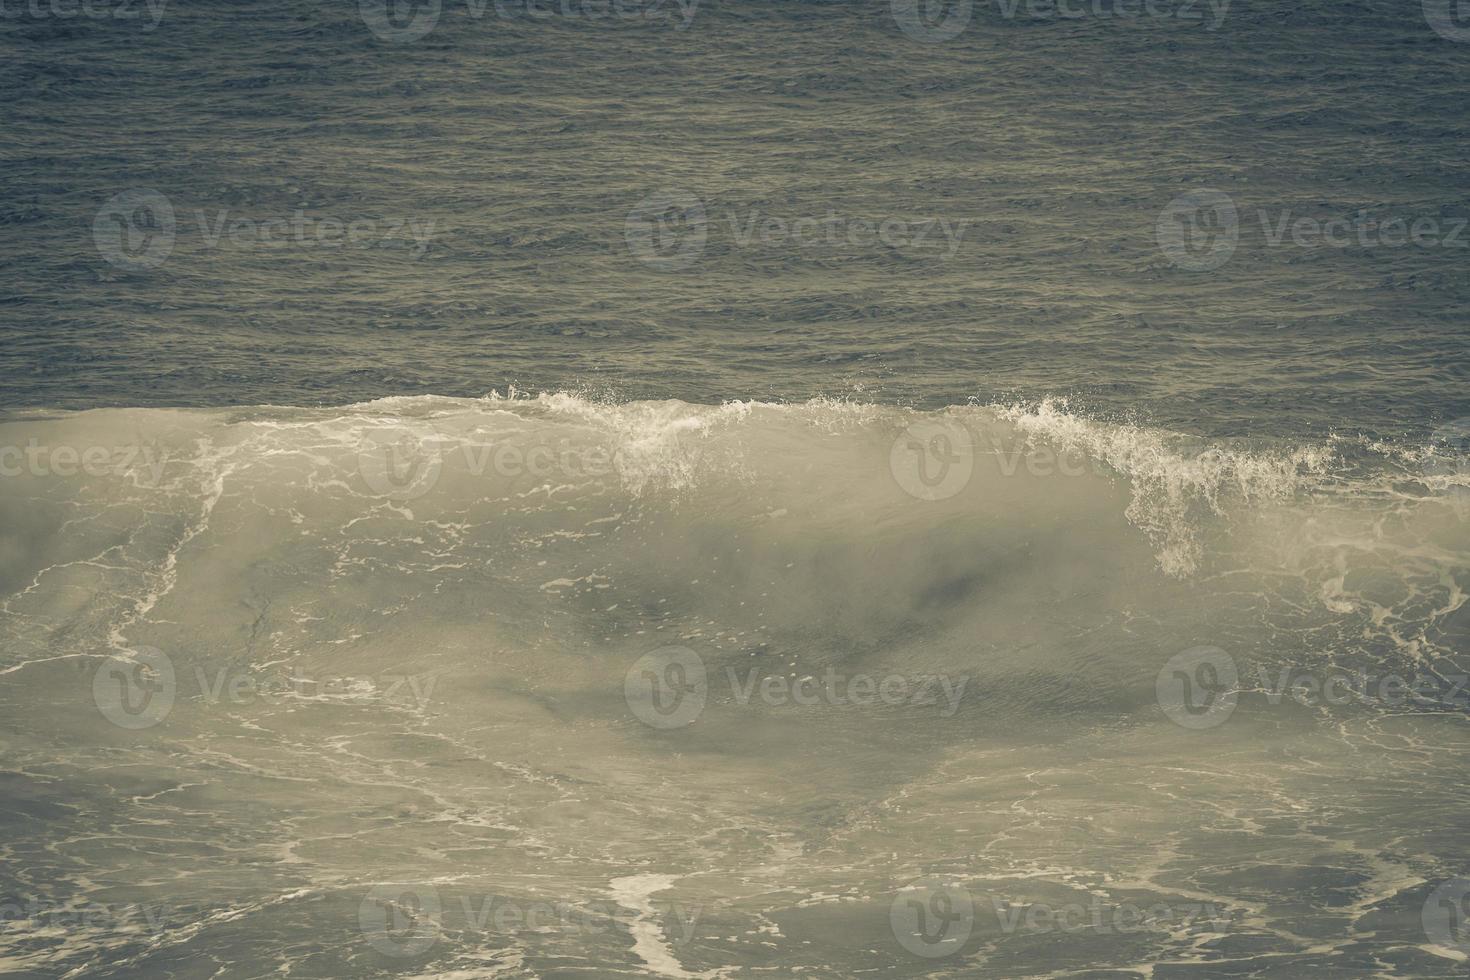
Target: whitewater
{"points": [[524, 686]]}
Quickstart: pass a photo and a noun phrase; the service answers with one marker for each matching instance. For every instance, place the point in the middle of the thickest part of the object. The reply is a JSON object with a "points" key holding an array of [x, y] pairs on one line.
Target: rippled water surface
{"points": [[752, 490], [492, 166]]}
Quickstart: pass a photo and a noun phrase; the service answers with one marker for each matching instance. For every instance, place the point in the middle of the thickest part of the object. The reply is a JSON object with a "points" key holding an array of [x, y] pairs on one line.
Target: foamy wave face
{"points": [[416, 625], [898, 514], [428, 456]]}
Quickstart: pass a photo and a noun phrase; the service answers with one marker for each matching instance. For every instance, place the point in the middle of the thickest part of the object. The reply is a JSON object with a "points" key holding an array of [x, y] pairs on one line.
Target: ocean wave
{"points": [[449, 487], [431, 607]]}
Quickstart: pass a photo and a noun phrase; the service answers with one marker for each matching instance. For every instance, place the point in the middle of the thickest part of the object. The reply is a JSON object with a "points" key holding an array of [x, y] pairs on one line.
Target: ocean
{"points": [[646, 488]]}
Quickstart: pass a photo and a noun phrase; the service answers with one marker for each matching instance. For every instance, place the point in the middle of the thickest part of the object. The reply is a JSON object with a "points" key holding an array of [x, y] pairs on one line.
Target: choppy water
{"points": [[924, 603]]}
